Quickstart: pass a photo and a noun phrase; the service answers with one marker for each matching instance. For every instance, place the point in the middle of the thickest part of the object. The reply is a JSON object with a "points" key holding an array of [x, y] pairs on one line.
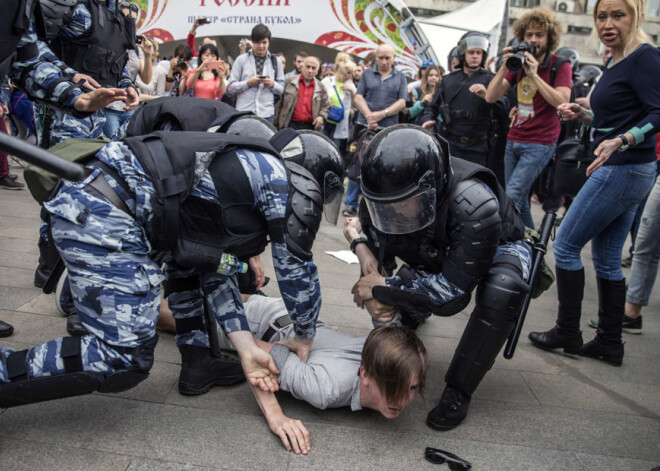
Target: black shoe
{"points": [[74, 327], [555, 338], [626, 262], [200, 370], [13, 176], [612, 354], [5, 329], [8, 184], [451, 411], [349, 212]]}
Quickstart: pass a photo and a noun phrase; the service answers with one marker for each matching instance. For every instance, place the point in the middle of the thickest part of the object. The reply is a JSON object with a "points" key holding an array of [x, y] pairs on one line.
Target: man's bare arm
{"points": [[292, 432]]}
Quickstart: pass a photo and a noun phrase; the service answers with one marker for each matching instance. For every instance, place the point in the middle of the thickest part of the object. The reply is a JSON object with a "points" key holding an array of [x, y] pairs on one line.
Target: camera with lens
{"points": [[517, 60], [182, 64]]}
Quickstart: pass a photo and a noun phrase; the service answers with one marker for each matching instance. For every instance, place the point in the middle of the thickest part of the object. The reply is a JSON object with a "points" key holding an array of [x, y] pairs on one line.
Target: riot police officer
{"points": [[456, 230], [179, 199], [465, 117]]}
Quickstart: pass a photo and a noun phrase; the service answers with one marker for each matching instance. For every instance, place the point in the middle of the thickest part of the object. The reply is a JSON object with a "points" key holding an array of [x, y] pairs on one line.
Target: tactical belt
{"points": [[277, 326], [466, 139]]}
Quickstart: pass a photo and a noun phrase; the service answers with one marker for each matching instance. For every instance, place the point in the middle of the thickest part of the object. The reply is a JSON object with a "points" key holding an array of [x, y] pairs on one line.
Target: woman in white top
{"points": [[341, 91], [156, 87]]}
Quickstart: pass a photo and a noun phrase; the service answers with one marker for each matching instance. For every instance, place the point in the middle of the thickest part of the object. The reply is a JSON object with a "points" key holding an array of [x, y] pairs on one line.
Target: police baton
{"points": [[540, 249], [42, 158]]}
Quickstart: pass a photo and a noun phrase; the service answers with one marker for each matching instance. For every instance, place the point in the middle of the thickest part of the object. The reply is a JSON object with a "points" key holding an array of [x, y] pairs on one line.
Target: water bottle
{"points": [[230, 264]]}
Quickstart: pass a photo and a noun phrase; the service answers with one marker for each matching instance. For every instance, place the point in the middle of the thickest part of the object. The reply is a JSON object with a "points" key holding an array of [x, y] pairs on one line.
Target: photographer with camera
{"points": [[541, 87], [178, 69]]}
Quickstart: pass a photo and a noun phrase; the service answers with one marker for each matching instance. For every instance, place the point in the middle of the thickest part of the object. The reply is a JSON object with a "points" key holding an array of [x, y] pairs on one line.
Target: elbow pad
{"points": [[475, 228], [304, 210]]}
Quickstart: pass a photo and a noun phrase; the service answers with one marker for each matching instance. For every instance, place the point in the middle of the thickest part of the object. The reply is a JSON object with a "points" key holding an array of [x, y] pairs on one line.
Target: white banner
{"points": [[353, 26]]}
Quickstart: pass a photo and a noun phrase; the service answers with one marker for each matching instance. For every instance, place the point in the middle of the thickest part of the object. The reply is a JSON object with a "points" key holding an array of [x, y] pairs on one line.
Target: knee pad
{"points": [[501, 294], [22, 390]]}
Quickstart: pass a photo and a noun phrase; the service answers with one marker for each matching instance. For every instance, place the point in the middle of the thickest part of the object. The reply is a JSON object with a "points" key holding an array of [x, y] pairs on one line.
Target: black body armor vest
{"points": [[425, 249], [197, 231], [100, 52], [14, 23], [470, 114], [182, 114]]}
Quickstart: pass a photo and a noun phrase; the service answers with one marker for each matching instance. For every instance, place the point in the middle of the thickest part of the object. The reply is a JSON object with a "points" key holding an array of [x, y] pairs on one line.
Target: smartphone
{"points": [[214, 64], [243, 42], [138, 39], [262, 77], [205, 21]]}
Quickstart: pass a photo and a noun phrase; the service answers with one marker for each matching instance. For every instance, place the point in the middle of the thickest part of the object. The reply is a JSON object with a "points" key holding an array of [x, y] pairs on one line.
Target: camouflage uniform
{"points": [[115, 278], [64, 126]]}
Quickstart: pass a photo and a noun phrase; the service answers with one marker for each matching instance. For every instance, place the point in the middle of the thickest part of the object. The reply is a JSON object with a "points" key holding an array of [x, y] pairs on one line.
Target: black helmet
{"points": [[453, 54], [320, 157], [248, 125], [471, 40], [571, 55], [590, 73], [404, 174]]}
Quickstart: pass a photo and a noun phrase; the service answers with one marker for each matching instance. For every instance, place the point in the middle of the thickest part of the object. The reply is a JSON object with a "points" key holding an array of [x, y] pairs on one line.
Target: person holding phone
{"points": [[207, 80], [257, 77]]}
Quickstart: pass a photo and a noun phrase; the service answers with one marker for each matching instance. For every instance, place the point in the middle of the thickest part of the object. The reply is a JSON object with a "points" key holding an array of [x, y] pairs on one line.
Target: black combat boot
{"points": [[451, 410], [5, 329], [200, 370], [607, 345], [43, 270], [566, 334], [74, 327]]}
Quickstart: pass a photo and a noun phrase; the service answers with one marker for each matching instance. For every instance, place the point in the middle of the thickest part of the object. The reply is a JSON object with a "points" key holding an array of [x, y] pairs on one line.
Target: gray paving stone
{"points": [[16, 259], [43, 304], [614, 463], [11, 297], [151, 465], [19, 455], [34, 329]]}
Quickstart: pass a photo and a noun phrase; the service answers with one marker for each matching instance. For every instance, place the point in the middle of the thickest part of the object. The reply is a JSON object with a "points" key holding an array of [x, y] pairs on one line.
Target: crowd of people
{"points": [[206, 161]]}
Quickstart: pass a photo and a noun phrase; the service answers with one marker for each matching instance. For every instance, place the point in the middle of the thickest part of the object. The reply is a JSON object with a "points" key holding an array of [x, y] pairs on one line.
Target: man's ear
{"points": [[363, 376]]}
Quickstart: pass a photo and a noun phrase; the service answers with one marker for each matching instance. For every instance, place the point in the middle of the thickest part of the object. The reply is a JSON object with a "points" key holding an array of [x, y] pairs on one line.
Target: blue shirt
{"points": [[379, 93], [627, 99]]}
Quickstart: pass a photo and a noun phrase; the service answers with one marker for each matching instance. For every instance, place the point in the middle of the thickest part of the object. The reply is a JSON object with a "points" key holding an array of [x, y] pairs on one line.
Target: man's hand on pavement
{"points": [[292, 432]]}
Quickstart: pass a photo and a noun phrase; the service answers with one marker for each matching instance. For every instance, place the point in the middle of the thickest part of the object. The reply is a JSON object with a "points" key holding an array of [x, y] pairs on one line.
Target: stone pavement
{"points": [[537, 411]]}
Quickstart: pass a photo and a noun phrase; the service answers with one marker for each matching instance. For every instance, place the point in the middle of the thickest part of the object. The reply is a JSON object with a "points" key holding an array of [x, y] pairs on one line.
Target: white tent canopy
{"points": [[444, 31]]}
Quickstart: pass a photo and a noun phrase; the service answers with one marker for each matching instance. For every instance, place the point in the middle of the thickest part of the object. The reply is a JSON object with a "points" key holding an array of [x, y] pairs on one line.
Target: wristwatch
{"points": [[357, 240], [625, 145]]}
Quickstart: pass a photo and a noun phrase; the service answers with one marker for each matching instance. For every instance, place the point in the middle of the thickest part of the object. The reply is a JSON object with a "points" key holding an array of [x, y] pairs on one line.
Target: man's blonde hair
{"points": [[392, 358]]}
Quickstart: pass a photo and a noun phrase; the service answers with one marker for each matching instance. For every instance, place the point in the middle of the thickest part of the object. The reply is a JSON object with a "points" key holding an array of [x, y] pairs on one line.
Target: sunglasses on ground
{"points": [[438, 456]]}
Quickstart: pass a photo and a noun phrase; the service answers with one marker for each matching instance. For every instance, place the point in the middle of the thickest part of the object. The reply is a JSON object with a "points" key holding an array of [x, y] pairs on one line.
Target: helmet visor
{"points": [[333, 192], [405, 216], [472, 42]]}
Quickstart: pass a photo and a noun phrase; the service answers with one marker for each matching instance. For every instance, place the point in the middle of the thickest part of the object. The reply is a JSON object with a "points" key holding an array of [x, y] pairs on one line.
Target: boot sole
{"points": [[6, 334], [196, 390], [608, 360], [569, 350], [441, 428]]}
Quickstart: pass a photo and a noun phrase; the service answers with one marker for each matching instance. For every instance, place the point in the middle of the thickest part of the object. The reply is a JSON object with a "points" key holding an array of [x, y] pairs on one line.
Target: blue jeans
{"points": [[113, 120], [352, 194], [523, 162], [646, 256], [602, 213]]}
